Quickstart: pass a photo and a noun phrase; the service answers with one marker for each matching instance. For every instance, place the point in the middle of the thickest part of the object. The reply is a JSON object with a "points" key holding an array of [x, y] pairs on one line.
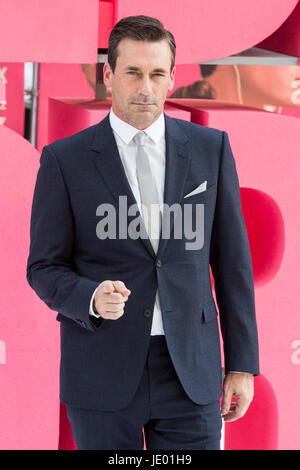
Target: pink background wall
{"points": [[29, 334], [286, 38], [49, 31], [12, 96], [249, 22]]}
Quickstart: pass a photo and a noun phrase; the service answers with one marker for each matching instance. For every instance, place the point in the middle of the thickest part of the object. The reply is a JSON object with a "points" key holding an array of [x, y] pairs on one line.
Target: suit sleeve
{"points": [[91, 311], [231, 264], [50, 272]]}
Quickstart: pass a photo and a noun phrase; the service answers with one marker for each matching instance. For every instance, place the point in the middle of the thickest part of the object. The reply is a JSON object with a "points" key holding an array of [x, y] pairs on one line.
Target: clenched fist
{"points": [[110, 298]]}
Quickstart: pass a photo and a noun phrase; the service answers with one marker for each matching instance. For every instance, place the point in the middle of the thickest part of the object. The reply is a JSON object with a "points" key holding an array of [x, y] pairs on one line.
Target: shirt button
{"points": [[147, 312], [159, 263]]}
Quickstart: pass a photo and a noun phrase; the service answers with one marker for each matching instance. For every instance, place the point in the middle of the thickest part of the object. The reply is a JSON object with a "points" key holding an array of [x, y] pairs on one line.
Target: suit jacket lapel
{"points": [[110, 166], [177, 162]]}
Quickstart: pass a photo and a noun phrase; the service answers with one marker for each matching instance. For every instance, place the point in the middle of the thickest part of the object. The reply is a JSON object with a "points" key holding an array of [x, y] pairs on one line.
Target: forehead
{"points": [[144, 53]]}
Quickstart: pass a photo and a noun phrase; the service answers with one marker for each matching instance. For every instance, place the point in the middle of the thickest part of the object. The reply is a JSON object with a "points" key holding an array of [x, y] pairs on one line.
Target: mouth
{"points": [[144, 104]]}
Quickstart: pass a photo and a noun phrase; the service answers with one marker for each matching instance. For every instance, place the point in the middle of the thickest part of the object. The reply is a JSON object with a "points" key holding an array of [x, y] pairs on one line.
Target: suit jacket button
{"points": [[159, 263], [147, 313]]}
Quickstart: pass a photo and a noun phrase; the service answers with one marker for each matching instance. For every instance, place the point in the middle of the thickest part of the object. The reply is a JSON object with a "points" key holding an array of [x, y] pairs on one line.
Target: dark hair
{"points": [[140, 28]]}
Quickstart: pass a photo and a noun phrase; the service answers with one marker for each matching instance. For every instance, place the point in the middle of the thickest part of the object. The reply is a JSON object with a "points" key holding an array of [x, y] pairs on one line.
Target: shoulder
{"points": [[210, 137], [74, 143], [80, 142], [197, 129]]}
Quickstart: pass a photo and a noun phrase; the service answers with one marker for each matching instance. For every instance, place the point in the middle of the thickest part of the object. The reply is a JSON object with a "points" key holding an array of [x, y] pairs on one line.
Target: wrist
{"points": [[238, 372], [94, 308]]}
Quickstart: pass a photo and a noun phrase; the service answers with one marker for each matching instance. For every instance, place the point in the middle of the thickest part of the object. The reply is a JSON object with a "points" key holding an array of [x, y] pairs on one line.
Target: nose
{"points": [[144, 87]]}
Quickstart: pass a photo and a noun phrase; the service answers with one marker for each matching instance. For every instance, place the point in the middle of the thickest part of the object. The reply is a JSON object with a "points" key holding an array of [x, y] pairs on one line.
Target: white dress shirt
{"points": [[156, 148]]}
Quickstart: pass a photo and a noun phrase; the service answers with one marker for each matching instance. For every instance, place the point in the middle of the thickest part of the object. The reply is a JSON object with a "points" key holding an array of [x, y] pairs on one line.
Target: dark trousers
{"points": [[170, 419]]}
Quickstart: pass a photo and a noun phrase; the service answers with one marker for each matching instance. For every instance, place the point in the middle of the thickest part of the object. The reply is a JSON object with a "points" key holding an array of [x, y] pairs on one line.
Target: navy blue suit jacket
{"points": [[102, 360]]}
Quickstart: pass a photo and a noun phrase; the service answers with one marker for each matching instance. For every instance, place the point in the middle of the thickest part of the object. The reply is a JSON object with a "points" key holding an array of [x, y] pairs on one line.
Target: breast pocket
{"points": [[202, 196], [197, 215]]}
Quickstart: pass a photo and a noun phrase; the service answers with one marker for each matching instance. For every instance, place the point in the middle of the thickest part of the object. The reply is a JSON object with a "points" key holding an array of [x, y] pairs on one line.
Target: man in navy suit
{"points": [[140, 345]]}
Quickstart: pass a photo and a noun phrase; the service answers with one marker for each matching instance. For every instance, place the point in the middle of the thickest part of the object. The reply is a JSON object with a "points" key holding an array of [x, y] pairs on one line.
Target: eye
{"points": [[158, 76]]}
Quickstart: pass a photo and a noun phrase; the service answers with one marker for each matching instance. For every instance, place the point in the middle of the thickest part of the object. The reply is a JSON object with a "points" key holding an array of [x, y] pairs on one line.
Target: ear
{"points": [[172, 78], [107, 75]]}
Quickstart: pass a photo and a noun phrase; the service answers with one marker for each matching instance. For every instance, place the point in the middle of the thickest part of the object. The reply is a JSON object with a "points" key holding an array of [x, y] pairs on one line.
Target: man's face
{"points": [[141, 80]]}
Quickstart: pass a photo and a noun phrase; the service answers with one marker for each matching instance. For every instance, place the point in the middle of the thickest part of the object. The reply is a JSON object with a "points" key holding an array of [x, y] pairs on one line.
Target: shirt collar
{"points": [[127, 132]]}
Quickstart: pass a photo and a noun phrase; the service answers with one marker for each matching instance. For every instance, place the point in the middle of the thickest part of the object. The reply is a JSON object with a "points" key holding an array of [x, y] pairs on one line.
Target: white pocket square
{"points": [[199, 189]]}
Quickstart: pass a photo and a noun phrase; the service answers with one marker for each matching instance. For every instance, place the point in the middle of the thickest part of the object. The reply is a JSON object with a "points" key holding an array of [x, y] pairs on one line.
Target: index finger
{"points": [[115, 297], [120, 287]]}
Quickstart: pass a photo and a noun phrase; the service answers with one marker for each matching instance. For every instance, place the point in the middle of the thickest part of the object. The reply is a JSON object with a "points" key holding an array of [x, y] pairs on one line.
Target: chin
{"points": [[143, 116]]}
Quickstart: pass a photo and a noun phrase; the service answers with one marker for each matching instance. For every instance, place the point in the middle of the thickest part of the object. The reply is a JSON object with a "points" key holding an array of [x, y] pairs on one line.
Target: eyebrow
{"points": [[137, 69]]}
